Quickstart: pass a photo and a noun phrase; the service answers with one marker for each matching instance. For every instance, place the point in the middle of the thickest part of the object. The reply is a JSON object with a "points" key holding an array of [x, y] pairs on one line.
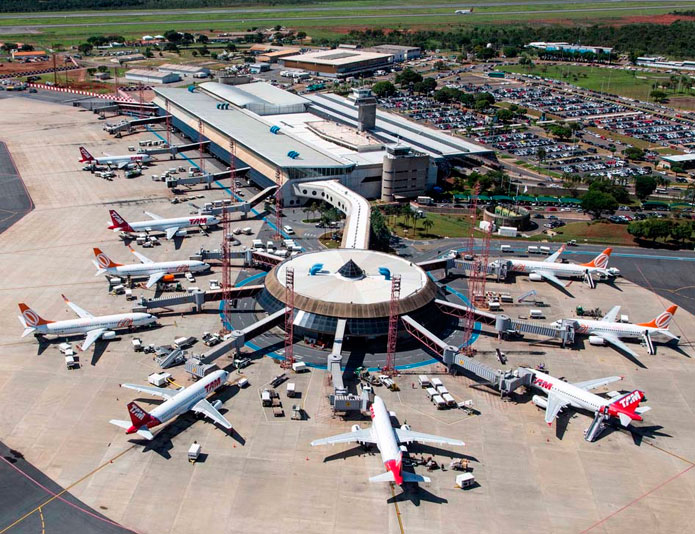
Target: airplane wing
{"points": [[588, 385], [154, 278], [615, 341], [208, 410], [123, 164], [171, 232], [408, 436], [91, 338], [611, 315], [141, 257], [153, 216], [555, 255], [550, 277], [361, 436], [555, 404], [165, 394], [81, 313]]}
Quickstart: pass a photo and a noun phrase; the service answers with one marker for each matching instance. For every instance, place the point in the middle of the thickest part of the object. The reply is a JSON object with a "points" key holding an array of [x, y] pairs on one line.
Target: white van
{"points": [[431, 392], [439, 402], [288, 230], [247, 231], [424, 381], [532, 250], [257, 244], [505, 249], [536, 314], [545, 250], [436, 382]]}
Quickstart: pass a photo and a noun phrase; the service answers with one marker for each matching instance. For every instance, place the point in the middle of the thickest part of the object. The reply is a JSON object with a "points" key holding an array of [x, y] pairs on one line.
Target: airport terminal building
{"points": [[285, 138]]}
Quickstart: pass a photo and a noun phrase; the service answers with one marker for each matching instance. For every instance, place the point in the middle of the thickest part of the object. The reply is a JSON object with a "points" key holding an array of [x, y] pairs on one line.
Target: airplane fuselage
{"points": [[575, 396], [623, 330], [118, 160], [161, 225], [169, 267], [561, 270], [83, 325], [185, 399], [386, 440]]}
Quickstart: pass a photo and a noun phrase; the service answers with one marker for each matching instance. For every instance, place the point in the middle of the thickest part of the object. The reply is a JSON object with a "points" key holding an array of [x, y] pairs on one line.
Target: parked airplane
{"points": [[561, 394], [173, 227], [607, 330], [176, 402], [551, 271], [387, 440], [161, 271], [118, 161], [95, 327]]}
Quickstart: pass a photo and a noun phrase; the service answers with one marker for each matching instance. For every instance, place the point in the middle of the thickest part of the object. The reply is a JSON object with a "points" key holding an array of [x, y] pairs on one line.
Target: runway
{"points": [[15, 201]]}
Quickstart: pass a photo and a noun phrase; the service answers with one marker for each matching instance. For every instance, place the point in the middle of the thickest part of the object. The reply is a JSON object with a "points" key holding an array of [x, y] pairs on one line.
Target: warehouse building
{"points": [[570, 48], [151, 76], [339, 63], [196, 71], [285, 138], [400, 53], [33, 54], [686, 161]]}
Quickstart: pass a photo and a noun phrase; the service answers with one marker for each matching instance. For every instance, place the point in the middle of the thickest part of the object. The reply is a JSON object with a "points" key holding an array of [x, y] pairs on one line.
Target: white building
{"points": [[195, 71], [151, 76]]}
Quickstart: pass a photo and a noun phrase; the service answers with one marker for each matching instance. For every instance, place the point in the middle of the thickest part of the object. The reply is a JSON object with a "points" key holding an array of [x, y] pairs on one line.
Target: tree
{"points": [[85, 48], [26, 48], [597, 202], [634, 153], [408, 76], [384, 89], [203, 38], [187, 38], [148, 52], [427, 85], [644, 186], [173, 36], [91, 71], [677, 168], [510, 51], [681, 231], [504, 115], [440, 65], [102, 68], [301, 35], [427, 225], [658, 96], [171, 47], [204, 51], [484, 53], [541, 154], [560, 131], [231, 47], [194, 53], [9, 46]]}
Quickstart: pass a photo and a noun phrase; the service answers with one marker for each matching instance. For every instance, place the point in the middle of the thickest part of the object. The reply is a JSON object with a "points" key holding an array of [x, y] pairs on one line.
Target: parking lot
{"points": [[648, 128], [425, 109]]}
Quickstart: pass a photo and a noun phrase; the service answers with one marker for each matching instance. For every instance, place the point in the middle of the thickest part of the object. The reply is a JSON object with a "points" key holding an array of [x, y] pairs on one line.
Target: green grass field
{"points": [[69, 28], [632, 84], [442, 226], [598, 233]]}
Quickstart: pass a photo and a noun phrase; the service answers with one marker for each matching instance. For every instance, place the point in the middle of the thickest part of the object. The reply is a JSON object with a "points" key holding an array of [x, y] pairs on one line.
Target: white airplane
{"points": [[561, 394], [163, 271], [607, 330], [95, 327], [551, 271], [387, 440], [172, 227], [119, 161], [176, 402]]}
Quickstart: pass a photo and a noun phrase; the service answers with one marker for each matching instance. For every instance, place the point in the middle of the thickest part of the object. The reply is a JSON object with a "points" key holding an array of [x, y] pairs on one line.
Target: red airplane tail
{"points": [[627, 407], [118, 222], [86, 156], [138, 416], [600, 261], [663, 320]]}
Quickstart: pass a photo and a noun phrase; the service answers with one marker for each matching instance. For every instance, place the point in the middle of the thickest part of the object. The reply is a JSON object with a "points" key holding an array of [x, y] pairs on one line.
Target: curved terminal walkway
{"points": [[354, 206]]}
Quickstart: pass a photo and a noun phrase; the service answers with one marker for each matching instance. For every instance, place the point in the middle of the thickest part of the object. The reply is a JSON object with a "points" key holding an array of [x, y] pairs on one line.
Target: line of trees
{"points": [[66, 5], [653, 229]]}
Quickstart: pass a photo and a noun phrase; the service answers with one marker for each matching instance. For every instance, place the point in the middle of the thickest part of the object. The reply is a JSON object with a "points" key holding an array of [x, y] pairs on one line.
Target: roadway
{"points": [[15, 201], [290, 7], [28, 502], [27, 28]]}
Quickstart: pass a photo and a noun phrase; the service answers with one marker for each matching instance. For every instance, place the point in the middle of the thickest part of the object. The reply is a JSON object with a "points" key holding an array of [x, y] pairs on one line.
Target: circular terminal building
{"points": [[354, 285]]}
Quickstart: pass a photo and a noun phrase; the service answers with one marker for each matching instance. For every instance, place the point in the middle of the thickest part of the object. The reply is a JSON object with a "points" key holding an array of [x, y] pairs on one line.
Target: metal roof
{"points": [[250, 130], [261, 98], [392, 128], [337, 57], [677, 158]]}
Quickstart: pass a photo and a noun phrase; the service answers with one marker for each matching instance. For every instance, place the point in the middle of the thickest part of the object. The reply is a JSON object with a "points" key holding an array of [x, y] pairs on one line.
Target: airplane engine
{"points": [[109, 334], [405, 427], [168, 278], [595, 340], [613, 271], [216, 404], [539, 401], [356, 428], [534, 277], [182, 233]]}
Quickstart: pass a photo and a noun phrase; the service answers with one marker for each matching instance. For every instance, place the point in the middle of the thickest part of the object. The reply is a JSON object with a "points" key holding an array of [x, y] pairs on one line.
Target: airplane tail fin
{"points": [[86, 156], [144, 432], [30, 319], [118, 222], [138, 416], [627, 407], [663, 320], [600, 261], [383, 477], [412, 477], [103, 261]]}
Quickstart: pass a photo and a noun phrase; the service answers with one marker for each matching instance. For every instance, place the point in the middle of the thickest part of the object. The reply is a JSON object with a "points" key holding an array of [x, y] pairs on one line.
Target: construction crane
{"points": [[390, 367], [289, 319]]}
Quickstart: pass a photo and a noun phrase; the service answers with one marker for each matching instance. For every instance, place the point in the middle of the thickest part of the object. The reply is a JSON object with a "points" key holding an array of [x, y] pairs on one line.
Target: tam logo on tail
{"points": [[600, 261], [138, 416], [86, 156], [119, 223], [663, 320]]}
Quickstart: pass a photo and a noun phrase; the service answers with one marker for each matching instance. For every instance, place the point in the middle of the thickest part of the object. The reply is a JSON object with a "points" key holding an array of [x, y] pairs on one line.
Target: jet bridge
{"points": [[197, 298], [341, 400], [504, 381], [129, 126], [173, 182], [423, 335]]}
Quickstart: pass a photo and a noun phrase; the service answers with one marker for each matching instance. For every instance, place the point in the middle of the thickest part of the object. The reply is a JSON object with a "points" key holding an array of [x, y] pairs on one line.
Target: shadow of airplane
{"points": [[416, 494]]}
